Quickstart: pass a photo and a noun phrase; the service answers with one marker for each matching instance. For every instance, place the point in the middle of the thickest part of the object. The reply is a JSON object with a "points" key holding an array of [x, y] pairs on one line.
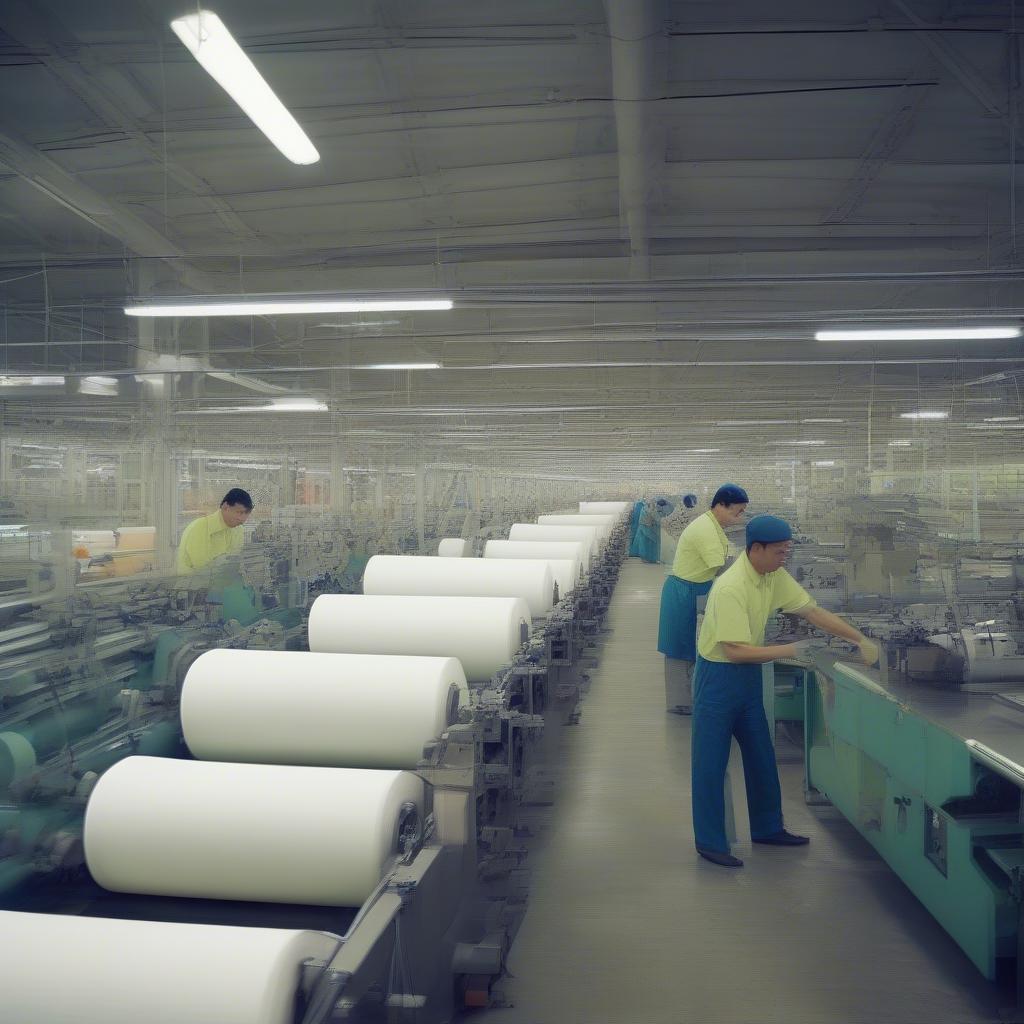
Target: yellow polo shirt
{"points": [[740, 604], [204, 540], [702, 550]]}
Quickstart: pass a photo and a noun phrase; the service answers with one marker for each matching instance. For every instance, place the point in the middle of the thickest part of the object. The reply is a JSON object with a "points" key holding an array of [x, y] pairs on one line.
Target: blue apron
{"points": [[634, 527], [726, 703], [677, 624]]}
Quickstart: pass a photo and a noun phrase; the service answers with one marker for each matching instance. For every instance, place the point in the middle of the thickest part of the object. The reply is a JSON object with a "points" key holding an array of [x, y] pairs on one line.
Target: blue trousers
{"points": [[726, 703]]}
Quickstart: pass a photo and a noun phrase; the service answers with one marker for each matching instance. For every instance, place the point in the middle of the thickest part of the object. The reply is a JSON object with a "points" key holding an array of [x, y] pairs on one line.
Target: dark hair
{"points": [[236, 496], [729, 494]]}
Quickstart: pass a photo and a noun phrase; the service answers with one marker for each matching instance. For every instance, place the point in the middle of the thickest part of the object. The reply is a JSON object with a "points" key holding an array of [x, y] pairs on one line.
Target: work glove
{"points": [[869, 651]]}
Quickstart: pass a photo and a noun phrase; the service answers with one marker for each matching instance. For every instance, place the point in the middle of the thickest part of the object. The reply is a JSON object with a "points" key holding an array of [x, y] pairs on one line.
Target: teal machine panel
{"points": [[932, 780]]}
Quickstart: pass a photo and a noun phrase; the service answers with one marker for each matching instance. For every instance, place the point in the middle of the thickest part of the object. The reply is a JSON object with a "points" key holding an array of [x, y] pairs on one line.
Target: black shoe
{"points": [[783, 838], [680, 709], [727, 860]]}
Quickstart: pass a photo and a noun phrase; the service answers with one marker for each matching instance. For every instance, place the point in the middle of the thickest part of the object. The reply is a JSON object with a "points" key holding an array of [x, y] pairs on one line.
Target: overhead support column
{"points": [[639, 51]]}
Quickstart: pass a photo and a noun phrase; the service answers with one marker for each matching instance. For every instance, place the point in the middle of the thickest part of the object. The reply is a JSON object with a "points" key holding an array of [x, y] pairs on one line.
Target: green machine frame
{"points": [[943, 810]]}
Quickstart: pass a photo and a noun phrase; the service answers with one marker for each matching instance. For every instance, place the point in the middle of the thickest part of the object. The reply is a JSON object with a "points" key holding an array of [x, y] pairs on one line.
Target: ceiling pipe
{"points": [[639, 59]]}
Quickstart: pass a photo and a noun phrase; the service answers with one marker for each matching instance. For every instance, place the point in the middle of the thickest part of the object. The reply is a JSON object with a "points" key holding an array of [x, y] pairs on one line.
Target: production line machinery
{"points": [[451, 874]]}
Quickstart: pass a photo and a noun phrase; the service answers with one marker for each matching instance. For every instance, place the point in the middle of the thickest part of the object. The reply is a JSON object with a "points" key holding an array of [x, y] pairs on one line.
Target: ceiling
{"points": [[642, 210]]}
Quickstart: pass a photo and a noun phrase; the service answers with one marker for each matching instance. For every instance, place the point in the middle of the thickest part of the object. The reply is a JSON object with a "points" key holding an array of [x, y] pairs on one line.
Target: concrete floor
{"points": [[627, 924]]}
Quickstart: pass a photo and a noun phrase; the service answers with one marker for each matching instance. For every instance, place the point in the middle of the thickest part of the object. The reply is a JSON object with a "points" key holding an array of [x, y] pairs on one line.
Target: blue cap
{"points": [[767, 530], [690, 500], [730, 494]]}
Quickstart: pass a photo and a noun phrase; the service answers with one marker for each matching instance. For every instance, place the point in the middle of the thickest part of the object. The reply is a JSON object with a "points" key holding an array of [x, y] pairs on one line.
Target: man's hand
{"points": [[869, 651], [800, 650]]}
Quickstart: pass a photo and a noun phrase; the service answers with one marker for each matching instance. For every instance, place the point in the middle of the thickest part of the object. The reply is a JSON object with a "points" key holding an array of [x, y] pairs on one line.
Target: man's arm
{"points": [[748, 654], [830, 623]]}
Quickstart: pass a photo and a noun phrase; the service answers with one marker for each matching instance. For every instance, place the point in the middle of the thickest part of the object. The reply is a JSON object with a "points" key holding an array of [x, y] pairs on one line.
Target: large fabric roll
{"points": [[589, 536], [613, 508], [484, 633], [268, 833], [468, 577], [605, 524], [453, 547], [332, 710], [565, 572], [88, 970], [574, 550]]}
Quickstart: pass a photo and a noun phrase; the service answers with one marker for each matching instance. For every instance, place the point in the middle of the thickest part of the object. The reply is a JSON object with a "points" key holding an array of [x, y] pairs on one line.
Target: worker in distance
{"points": [[701, 554], [220, 533], [727, 686]]}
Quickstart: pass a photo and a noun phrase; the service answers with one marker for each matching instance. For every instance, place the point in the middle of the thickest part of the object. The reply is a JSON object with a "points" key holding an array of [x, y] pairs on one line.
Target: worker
{"points": [[727, 686], [700, 556], [634, 527], [214, 535], [645, 542]]}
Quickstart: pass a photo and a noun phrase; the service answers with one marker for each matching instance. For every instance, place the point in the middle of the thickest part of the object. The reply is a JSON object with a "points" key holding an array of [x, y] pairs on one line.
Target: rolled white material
{"points": [[270, 833], [470, 577], [91, 970], [17, 758], [605, 524], [332, 710], [615, 508], [565, 572], [482, 632], [573, 550], [452, 547], [588, 535]]}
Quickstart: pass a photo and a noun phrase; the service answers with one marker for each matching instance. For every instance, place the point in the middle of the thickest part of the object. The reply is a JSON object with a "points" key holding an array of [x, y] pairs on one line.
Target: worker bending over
{"points": [[214, 535], [700, 556], [727, 687]]}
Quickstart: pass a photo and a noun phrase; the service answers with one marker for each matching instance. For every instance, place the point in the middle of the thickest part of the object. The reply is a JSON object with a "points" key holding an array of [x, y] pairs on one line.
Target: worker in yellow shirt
{"points": [[700, 556], [727, 687], [214, 535]]}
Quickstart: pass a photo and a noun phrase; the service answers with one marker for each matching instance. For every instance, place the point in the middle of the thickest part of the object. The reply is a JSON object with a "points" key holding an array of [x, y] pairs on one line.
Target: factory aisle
{"points": [[627, 924]]}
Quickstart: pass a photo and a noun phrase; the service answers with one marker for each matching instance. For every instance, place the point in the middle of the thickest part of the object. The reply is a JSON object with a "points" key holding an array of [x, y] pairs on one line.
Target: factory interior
{"points": [[344, 344]]}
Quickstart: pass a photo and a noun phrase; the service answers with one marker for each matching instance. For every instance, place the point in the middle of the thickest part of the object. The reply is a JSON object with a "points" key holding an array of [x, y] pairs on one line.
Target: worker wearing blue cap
{"points": [[645, 532], [700, 556], [727, 687]]}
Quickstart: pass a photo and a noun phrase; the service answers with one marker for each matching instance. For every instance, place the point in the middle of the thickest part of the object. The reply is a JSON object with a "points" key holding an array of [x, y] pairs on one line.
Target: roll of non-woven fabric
{"points": [[452, 547], [588, 535], [17, 758], [333, 710], [482, 632], [92, 970], [565, 572], [615, 508], [573, 550], [605, 524], [268, 833], [469, 577]]}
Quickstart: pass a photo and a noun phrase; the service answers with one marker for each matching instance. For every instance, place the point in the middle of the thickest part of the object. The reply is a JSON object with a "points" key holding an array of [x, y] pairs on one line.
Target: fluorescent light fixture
{"points": [[98, 386], [900, 444], [295, 405], [920, 334], [257, 306], [31, 382], [700, 451], [208, 40], [926, 415], [806, 443], [822, 421], [1001, 419], [399, 366], [825, 462]]}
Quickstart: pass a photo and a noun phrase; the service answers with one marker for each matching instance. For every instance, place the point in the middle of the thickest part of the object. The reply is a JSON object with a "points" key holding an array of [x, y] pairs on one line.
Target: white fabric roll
{"points": [[332, 710], [469, 577], [565, 572], [615, 508], [269, 833], [452, 547], [90, 970], [482, 632], [588, 535], [604, 524], [573, 550]]}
